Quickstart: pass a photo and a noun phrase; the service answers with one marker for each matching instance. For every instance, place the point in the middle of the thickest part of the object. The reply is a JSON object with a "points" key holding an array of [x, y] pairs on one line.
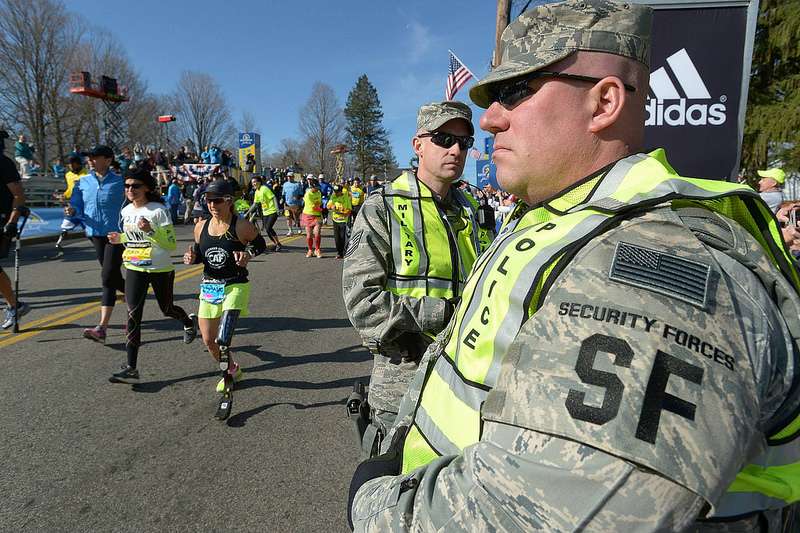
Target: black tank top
{"points": [[217, 254]]}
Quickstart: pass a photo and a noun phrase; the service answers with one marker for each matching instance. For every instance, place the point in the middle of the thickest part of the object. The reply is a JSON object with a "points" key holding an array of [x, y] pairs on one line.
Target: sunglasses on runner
{"points": [[510, 94], [217, 200], [134, 185], [446, 140]]}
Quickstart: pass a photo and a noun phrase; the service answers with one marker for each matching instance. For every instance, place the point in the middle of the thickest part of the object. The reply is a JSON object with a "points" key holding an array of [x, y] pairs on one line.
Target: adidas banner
{"points": [[695, 97]]}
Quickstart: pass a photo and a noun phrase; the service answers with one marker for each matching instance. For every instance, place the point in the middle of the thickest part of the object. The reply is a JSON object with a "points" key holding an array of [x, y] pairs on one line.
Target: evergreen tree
{"points": [[368, 140], [772, 128]]}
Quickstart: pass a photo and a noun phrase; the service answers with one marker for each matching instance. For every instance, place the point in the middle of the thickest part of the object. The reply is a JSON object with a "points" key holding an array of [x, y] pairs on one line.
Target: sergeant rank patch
{"points": [[662, 273]]}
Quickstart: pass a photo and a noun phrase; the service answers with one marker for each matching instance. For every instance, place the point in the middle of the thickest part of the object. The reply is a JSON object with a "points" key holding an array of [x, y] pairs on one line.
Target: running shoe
{"points": [[224, 407], [310, 253], [237, 377], [289, 233], [12, 314], [189, 334], [97, 334], [278, 247], [318, 253], [126, 374]]}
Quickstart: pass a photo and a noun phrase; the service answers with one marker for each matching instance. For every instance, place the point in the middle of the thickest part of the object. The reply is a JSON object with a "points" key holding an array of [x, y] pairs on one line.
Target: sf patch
{"points": [[353, 243], [661, 272]]}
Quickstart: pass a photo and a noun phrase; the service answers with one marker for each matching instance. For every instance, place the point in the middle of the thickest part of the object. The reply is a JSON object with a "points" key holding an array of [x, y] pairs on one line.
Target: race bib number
{"points": [[140, 257], [212, 292]]}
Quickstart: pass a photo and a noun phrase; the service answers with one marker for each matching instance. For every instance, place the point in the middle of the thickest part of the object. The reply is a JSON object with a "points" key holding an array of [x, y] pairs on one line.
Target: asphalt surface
{"points": [[80, 453]]}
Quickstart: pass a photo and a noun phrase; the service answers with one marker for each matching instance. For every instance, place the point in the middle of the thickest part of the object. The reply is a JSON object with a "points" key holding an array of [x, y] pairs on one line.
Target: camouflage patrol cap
{"points": [[549, 33], [432, 116]]}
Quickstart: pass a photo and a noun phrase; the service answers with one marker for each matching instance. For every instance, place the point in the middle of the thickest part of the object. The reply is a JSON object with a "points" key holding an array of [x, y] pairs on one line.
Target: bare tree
{"points": [[203, 112], [36, 40], [248, 122], [322, 124]]}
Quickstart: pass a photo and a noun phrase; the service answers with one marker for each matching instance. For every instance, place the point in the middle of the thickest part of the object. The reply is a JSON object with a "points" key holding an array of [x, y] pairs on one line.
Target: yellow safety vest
{"points": [[447, 414], [429, 257]]}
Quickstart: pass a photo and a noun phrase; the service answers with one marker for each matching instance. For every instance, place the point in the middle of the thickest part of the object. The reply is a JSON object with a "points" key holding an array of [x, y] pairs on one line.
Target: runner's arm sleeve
{"points": [[376, 313], [597, 421], [163, 231]]}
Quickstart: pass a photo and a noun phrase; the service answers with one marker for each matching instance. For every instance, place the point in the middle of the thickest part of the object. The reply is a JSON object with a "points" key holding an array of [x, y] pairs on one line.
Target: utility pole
{"points": [[503, 17]]}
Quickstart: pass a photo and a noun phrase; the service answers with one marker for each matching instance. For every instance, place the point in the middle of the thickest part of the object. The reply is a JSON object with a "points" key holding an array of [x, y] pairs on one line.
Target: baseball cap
{"points": [[101, 150], [775, 173], [432, 116], [548, 33], [219, 189]]}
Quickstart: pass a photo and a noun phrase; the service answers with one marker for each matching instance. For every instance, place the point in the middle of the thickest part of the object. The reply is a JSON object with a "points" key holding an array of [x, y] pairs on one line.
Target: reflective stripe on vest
{"points": [[417, 226], [509, 281]]}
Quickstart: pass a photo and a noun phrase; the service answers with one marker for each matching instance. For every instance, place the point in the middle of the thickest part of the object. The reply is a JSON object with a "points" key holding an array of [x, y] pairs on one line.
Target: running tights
{"points": [[135, 295], [268, 221], [110, 258]]}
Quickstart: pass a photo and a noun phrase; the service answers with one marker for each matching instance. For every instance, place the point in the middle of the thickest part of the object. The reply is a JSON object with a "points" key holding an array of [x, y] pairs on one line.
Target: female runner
{"points": [[224, 244], [149, 237]]}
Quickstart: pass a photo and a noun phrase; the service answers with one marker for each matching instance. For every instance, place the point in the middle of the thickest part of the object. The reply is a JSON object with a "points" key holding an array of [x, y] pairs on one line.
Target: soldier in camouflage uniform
{"points": [[395, 302], [624, 354]]}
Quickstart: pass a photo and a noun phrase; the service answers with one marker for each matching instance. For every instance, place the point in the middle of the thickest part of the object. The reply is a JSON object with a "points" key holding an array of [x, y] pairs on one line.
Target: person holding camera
{"points": [[12, 204]]}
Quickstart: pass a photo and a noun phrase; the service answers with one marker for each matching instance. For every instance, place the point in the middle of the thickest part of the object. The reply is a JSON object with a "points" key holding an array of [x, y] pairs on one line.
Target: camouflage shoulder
{"points": [[632, 353]]}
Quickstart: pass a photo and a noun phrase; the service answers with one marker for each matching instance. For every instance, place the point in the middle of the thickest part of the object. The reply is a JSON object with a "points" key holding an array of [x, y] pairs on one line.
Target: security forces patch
{"points": [[353, 243], [662, 273]]}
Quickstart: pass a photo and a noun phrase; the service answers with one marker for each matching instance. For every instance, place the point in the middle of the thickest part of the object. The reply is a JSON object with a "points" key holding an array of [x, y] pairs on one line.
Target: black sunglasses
{"points": [[134, 185], [510, 94], [446, 140], [216, 200]]}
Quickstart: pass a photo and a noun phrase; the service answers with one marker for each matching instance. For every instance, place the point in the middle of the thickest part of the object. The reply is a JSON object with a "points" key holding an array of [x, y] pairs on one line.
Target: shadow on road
{"points": [[239, 419]]}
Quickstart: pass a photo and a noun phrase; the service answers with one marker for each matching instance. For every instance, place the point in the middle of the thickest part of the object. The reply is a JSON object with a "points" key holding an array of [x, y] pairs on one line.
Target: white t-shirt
{"points": [[152, 257]]}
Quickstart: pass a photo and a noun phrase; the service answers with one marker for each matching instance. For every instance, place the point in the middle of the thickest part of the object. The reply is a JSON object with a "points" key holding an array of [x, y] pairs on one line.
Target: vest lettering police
{"points": [[447, 414], [420, 234]]}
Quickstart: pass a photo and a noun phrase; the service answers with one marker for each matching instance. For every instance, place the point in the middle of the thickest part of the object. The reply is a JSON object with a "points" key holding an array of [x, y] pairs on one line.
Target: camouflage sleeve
{"points": [[375, 312], [617, 407]]}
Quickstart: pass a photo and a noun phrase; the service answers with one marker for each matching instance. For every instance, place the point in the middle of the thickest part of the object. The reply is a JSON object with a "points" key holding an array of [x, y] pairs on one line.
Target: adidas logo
{"points": [[660, 112]]}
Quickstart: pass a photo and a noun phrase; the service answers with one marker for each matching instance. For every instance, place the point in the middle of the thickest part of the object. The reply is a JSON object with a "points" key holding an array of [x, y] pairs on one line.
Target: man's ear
{"points": [[607, 99], [416, 144]]}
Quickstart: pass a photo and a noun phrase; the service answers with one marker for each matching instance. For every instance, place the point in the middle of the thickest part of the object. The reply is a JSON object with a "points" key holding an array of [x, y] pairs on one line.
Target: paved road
{"points": [[80, 453]]}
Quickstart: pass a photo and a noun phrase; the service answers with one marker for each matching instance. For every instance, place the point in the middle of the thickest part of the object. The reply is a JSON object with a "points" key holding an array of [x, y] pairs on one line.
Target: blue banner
{"points": [[485, 170], [43, 222]]}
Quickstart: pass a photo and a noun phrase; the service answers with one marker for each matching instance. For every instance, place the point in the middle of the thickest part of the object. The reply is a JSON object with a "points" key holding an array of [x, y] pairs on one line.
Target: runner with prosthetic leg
{"points": [[224, 244]]}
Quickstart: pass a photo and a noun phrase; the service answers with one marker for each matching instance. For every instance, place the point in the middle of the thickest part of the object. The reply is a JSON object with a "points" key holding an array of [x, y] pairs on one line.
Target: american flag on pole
{"points": [[457, 76]]}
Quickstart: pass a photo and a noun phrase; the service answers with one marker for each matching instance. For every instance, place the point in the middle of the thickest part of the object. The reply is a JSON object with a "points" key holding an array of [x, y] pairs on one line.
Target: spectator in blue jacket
{"points": [[215, 155], [174, 200], [97, 199]]}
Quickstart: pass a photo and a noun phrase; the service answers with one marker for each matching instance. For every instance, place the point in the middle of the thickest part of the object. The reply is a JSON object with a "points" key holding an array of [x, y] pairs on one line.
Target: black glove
{"points": [[388, 464], [10, 230], [450, 308]]}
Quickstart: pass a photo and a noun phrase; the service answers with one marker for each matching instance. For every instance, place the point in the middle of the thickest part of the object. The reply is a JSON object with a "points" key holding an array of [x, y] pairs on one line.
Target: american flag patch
{"points": [[662, 273]]}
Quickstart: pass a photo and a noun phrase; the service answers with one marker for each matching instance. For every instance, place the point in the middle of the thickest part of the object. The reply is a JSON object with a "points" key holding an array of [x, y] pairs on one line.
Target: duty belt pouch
{"points": [[371, 442]]}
